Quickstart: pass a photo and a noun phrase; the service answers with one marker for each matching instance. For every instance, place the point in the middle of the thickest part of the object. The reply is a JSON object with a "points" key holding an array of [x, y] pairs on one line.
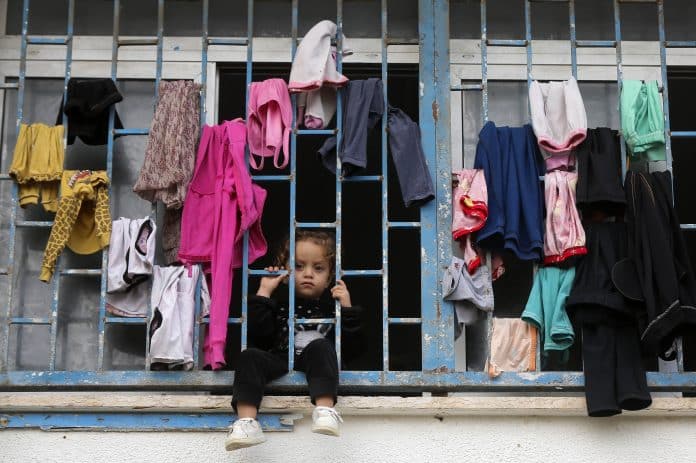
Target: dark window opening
{"points": [[361, 217]]}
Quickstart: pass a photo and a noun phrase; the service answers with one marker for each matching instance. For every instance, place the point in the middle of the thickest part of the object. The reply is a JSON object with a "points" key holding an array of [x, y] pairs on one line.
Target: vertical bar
{"points": [[160, 44], [109, 170], [385, 192], [484, 62], [484, 112], [528, 38], [55, 284], [665, 91], [153, 210], [339, 184], [245, 257], [293, 195], [203, 116], [573, 39], [668, 137], [15, 188], [204, 62], [436, 233], [619, 80]]}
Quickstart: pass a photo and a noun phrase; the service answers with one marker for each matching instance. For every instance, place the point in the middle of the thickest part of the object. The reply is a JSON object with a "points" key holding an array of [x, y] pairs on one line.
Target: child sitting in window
{"points": [[315, 352]]}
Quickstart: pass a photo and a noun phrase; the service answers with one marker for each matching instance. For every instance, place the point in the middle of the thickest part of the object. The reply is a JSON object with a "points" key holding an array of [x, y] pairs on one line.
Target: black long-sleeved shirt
{"points": [[268, 323]]}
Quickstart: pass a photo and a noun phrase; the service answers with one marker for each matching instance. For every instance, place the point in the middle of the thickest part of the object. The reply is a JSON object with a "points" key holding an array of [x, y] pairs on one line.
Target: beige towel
{"points": [[513, 346]]}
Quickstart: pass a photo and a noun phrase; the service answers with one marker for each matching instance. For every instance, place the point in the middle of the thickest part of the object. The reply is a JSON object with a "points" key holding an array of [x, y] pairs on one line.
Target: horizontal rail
{"points": [[349, 380], [227, 41], [137, 42], [30, 321], [145, 131]]}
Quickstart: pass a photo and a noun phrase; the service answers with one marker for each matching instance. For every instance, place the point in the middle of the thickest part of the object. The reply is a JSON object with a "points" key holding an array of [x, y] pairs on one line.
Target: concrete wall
{"points": [[372, 439]]}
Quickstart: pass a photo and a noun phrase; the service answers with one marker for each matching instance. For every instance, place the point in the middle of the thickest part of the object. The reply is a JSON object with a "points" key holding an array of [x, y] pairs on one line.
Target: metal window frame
{"points": [[437, 373]]}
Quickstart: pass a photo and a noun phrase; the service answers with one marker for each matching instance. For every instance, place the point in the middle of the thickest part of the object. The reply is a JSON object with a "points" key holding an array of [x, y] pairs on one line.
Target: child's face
{"points": [[312, 269]]}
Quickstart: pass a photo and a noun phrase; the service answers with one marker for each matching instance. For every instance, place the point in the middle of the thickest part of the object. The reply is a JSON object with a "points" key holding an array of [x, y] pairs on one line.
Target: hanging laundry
{"points": [[131, 257], [37, 164], [314, 75], [171, 234], [363, 106], [171, 144], [642, 120], [599, 173], [87, 106], [83, 219], [545, 308], [173, 316], [513, 347], [469, 212], [512, 165], [269, 122], [471, 292], [559, 120], [170, 155], [658, 269], [611, 352], [564, 237], [409, 160], [222, 204], [315, 109]]}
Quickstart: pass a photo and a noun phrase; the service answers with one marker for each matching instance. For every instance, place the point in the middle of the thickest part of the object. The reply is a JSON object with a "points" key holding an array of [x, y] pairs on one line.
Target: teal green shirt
{"points": [[643, 120], [545, 307]]}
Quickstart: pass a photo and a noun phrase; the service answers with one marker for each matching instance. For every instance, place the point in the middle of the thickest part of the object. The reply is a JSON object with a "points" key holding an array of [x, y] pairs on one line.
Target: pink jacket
{"points": [[221, 204], [269, 122]]}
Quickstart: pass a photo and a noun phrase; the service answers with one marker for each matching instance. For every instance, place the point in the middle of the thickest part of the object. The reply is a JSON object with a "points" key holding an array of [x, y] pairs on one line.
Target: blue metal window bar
{"points": [[436, 318]]}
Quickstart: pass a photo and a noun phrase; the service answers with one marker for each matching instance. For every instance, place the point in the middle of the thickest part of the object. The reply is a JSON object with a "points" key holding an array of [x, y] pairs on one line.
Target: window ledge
{"points": [[347, 405]]}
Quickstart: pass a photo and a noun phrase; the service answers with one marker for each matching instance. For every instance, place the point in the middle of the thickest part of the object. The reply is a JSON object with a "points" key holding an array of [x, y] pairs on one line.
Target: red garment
{"points": [[221, 204], [469, 213]]}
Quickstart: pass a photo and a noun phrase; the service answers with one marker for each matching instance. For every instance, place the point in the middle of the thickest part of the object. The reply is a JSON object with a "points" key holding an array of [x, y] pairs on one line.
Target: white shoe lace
{"points": [[329, 411]]}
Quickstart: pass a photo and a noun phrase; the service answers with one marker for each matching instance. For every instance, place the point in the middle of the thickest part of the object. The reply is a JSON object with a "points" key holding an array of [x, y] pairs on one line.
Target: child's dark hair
{"points": [[321, 238]]}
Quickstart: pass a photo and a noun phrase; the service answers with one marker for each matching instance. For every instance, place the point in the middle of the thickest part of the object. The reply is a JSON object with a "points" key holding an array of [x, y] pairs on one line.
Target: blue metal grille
{"points": [[436, 318]]}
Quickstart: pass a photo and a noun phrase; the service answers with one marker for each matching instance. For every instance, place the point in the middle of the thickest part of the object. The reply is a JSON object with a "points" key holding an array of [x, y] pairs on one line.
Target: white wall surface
{"points": [[461, 439]]}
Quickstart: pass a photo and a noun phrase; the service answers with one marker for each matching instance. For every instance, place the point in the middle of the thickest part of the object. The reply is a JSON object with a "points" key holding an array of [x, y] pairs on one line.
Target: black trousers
{"points": [[614, 373], [258, 367]]}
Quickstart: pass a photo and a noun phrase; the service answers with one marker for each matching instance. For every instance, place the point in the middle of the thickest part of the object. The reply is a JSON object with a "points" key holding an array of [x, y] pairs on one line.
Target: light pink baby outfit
{"points": [[269, 122]]}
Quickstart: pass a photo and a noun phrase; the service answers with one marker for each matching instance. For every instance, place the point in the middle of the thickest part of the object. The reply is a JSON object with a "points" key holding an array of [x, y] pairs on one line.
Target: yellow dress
{"points": [[37, 164]]}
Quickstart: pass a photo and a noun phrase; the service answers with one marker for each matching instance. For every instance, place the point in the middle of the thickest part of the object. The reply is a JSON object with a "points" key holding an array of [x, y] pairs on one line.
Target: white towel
{"points": [[314, 67]]}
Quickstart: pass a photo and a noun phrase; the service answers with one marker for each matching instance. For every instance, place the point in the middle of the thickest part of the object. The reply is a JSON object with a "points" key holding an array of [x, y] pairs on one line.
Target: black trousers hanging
{"points": [[614, 373], [257, 367]]}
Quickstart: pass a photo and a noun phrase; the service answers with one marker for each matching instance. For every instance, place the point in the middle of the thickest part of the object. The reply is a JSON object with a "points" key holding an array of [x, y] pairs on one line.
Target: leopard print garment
{"points": [[82, 193], [171, 146]]}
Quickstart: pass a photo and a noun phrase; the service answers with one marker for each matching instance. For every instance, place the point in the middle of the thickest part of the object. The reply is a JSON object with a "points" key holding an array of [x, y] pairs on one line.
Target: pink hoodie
{"points": [[221, 204], [269, 122]]}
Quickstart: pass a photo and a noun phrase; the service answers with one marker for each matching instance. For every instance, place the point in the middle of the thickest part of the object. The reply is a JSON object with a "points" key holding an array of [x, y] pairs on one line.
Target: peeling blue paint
{"points": [[137, 421]]}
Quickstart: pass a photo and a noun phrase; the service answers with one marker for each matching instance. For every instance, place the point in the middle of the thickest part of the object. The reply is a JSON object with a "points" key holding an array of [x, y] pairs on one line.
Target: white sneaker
{"points": [[244, 432], [325, 420]]}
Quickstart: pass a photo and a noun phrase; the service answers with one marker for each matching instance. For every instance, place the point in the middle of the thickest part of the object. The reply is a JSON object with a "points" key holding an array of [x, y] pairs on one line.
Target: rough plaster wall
{"points": [[382, 439]]}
